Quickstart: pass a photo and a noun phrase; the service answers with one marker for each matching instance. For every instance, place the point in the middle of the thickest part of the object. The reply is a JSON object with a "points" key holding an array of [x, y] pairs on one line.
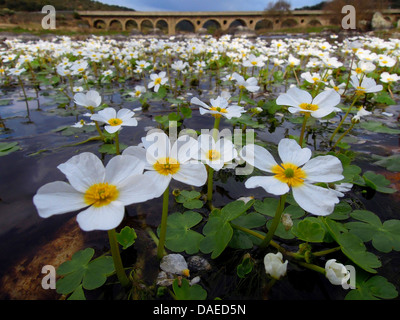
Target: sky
{"points": [[203, 5]]}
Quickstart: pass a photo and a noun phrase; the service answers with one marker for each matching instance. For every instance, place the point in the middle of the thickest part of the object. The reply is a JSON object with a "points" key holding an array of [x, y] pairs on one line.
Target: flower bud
{"points": [[274, 265], [287, 221], [336, 272]]}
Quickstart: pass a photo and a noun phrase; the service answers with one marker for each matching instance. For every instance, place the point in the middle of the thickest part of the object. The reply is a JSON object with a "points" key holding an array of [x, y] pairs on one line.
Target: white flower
{"points": [[157, 80], [336, 273], [274, 265], [250, 84], [367, 85], [165, 160], [115, 120], [301, 101], [105, 191], [174, 263], [179, 65], [215, 153], [219, 107], [386, 77], [139, 90], [253, 61], [90, 100], [311, 77], [298, 172]]}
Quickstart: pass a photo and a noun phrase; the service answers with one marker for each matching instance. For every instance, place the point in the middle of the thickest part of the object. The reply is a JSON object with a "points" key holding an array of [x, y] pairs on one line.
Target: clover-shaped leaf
{"points": [[218, 231], [80, 270], [377, 182], [308, 230], [184, 291], [190, 199], [126, 237], [372, 289], [353, 247], [179, 236], [385, 237]]}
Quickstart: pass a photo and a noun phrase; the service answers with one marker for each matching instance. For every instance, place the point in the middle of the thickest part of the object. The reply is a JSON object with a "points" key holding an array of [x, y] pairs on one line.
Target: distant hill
{"points": [[318, 6], [62, 5]]}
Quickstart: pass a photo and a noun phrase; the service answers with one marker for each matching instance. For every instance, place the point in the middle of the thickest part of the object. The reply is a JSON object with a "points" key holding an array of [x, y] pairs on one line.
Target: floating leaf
{"points": [[8, 147], [377, 182], [378, 127], [179, 236], [385, 237], [185, 291], [245, 267], [391, 163], [78, 294], [126, 237], [218, 231], [308, 230], [372, 289], [80, 270], [353, 247]]}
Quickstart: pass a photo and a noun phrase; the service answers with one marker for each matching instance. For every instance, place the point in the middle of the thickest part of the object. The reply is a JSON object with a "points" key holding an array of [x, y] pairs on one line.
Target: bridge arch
{"points": [[212, 25], [162, 24], [314, 23], [289, 23], [131, 25], [264, 25], [236, 23], [99, 24], [115, 25], [146, 25], [184, 25]]}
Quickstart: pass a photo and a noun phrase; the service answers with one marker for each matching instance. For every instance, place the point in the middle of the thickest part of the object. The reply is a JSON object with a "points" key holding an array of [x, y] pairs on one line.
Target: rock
{"points": [[202, 31], [378, 22], [197, 263]]}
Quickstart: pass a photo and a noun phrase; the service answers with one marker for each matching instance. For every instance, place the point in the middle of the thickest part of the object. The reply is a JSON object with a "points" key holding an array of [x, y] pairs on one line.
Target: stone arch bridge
{"points": [[174, 22]]}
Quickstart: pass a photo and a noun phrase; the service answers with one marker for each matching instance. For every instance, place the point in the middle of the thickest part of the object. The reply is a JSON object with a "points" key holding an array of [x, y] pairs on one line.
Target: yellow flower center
{"points": [[114, 122], [360, 90], [315, 79], [213, 155], [358, 70], [101, 194], [254, 63], [157, 81], [166, 166], [308, 106], [218, 109], [290, 174]]}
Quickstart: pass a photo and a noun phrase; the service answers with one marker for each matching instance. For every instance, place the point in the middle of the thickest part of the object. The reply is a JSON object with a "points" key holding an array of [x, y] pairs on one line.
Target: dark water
{"points": [[23, 234]]}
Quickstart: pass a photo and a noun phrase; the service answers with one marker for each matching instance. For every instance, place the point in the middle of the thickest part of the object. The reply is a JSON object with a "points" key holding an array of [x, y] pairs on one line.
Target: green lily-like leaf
{"points": [[8, 147], [242, 240], [187, 292], [80, 270], [179, 236], [377, 182], [374, 288], [308, 230], [385, 237], [126, 237], [391, 163], [352, 246], [218, 231], [378, 127], [190, 199]]}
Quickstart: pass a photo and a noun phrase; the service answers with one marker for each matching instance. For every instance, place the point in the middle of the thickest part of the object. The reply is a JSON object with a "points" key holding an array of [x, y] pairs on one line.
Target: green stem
{"points": [[325, 252], [117, 143], [303, 128], [26, 98], [312, 267], [210, 184], [163, 228], [275, 222], [343, 119], [119, 268], [343, 135], [348, 78]]}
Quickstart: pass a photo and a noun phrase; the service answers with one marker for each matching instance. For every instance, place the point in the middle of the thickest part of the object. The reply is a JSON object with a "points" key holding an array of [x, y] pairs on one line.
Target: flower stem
{"points": [[210, 184], [343, 135], [122, 277], [163, 229], [303, 128], [343, 119], [275, 222], [312, 267]]}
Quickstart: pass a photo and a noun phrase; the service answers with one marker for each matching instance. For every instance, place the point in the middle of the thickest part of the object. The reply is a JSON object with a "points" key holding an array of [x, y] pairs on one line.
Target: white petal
{"points": [[131, 122], [159, 182], [316, 200], [258, 157], [194, 174], [120, 168], [83, 170], [101, 218], [112, 129], [269, 184], [184, 149], [323, 169], [328, 98], [290, 152], [125, 114], [80, 99], [140, 153], [294, 97], [56, 198], [139, 188], [196, 100], [157, 145], [94, 96]]}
